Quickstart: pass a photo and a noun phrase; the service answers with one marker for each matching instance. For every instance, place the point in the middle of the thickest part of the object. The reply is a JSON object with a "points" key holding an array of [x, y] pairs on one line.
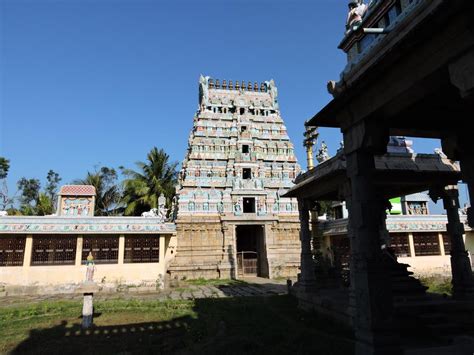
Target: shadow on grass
{"points": [[249, 325]]}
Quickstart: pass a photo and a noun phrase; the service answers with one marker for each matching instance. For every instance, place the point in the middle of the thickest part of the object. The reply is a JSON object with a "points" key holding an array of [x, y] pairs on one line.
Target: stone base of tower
{"points": [[228, 246]]}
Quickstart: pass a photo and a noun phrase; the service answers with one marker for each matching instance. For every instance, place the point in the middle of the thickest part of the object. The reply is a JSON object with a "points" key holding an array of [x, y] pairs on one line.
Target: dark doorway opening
{"points": [[251, 251], [249, 205], [245, 149]]}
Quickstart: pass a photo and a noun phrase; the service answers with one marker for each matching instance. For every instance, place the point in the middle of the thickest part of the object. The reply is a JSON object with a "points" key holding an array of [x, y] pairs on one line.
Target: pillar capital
{"points": [[461, 73], [369, 135]]}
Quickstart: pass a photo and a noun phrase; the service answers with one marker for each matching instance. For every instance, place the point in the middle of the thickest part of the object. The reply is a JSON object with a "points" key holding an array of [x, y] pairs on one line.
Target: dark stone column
{"points": [[307, 276], [467, 168], [371, 293], [463, 281], [459, 147]]}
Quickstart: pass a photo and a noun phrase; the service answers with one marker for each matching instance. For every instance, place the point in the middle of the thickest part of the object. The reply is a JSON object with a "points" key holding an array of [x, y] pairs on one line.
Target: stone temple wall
{"points": [[239, 163]]}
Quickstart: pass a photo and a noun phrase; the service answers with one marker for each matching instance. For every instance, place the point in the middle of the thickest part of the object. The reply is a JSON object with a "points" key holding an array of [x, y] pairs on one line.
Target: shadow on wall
{"points": [[215, 326]]}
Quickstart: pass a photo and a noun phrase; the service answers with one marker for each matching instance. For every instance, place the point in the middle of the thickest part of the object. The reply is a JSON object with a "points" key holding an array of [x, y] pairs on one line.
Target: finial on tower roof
{"points": [[242, 85], [211, 83], [237, 85], [224, 84], [218, 84], [231, 86], [255, 87], [249, 86], [262, 87]]}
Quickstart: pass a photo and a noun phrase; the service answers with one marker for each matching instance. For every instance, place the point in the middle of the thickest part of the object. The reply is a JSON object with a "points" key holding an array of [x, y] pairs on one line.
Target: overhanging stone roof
{"points": [[396, 174]]}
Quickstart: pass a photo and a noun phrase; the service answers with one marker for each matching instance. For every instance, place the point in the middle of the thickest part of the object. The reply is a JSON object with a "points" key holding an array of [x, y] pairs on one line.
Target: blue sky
{"points": [[87, 83]]}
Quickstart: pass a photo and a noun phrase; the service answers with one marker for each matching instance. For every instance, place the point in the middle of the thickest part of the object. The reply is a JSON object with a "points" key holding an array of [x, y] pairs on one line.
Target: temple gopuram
{"points": [[232, 220]]}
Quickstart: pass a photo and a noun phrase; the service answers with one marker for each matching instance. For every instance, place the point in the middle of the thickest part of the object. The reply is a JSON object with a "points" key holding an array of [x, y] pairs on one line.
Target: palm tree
{"points": [[44, 205], [108, 194], [156, 176]]}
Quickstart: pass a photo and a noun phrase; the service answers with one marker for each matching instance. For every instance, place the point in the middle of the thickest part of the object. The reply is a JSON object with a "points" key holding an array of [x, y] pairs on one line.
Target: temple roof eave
{"points": [[395, 175], [84, 225], [373, 77]]}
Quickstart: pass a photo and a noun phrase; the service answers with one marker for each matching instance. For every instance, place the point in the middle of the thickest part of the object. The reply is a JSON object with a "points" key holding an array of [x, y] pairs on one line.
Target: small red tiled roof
{"points": [[77, 190]]}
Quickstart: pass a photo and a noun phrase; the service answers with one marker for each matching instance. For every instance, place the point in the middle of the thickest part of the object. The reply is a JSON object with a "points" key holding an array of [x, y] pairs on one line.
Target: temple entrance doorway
{"points": [[251, 252]]}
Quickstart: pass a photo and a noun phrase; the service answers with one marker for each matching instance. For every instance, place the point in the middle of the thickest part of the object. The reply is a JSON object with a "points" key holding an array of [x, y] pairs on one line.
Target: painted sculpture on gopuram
{"points": [[323, 153], [357, 11]]}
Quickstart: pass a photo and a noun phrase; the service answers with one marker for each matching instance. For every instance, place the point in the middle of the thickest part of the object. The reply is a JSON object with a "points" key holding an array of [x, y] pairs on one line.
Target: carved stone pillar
{"points": [[370, 293], [307, 276], [459, 146], [463, 281], [467, 168]]}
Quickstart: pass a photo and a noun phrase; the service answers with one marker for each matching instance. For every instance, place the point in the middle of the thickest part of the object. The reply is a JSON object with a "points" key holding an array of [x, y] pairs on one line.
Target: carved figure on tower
{"points": [[203, 90], [323, 153], [357, 11]]}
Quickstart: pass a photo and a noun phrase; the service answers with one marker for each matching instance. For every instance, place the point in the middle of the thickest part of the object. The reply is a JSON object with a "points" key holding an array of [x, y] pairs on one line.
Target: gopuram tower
{"points": [[231, 219]]}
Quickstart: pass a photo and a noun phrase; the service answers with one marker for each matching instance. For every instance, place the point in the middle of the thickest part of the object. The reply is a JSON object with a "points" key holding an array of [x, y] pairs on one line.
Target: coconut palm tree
{"points": [[44, 205], [142, 188], [108, 191]]}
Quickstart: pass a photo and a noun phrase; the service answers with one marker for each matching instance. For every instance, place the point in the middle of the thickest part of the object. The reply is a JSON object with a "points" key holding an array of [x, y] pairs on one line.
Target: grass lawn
{"points": [[258, 325], [437, 284]]}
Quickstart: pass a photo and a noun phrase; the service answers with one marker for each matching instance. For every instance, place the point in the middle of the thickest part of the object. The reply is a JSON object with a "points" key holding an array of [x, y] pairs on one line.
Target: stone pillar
{"points": [[441, 244], [459, 146], [269, 253], [411, 243], [228, 264], [307, 277], [121, 250], [28, 251], [467, 168], [162, 247], [370, 291], [79, 244], [87, 310], [463, 281]]}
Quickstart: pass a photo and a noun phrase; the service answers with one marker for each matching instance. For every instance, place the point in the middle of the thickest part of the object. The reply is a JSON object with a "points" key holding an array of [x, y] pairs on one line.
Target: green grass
{"points": [[254, 325], [437, 284]]}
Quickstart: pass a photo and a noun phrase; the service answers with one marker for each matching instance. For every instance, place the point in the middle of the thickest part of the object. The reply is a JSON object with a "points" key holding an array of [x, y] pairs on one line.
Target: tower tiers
{"points": [[239, 163]]}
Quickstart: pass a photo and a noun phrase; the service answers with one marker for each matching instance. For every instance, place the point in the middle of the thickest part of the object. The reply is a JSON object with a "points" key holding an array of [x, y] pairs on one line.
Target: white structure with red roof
{"points": [[76, 200]]}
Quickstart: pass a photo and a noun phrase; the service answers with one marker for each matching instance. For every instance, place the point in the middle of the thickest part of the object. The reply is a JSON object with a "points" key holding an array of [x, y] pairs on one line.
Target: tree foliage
{"points": [[154, 177], [51, 189], [44, 205], [4, 167], [29, 190], [35, 202], [108, 191]]}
